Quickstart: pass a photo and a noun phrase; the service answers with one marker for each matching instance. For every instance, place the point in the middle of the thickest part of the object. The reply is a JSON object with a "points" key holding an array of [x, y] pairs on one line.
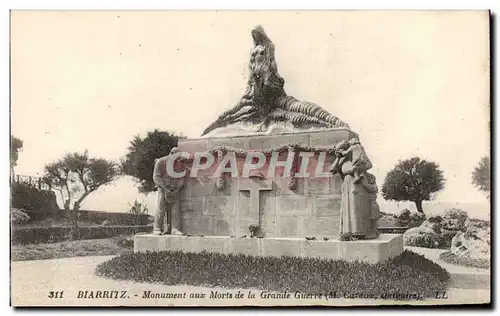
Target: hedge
{"points": [[32, 235], [409, 273]]}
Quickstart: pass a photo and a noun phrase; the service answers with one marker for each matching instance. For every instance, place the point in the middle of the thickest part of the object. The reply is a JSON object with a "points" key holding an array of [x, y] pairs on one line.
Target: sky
{"points": [[410, 83]]}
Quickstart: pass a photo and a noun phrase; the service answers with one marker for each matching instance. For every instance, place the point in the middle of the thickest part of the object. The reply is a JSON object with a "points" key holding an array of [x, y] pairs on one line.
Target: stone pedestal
{"points": [[219, 218], [373, 251]]}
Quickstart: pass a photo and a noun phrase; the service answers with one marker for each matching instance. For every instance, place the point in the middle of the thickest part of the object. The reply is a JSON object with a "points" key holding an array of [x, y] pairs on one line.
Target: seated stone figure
{"points": [[265, 106]]}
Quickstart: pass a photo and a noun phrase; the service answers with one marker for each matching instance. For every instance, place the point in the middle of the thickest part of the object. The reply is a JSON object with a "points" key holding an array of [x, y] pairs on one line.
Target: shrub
{"points": [[407, 273], [125, 242], [416, 219], [426, 240], [28, 197], [18, 217], [454, 219], [450, 257], [404, 217], [29, 235], [453, 222], [67, 249]]}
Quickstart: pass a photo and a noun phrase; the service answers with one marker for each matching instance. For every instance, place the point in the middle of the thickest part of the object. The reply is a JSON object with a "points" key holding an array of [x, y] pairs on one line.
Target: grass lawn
{"points": [[408, 273], [450, 257], [77, 248]]}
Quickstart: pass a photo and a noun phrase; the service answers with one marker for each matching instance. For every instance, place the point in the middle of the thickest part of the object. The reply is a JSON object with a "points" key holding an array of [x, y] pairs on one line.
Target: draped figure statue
{"points": [[265, 100]]}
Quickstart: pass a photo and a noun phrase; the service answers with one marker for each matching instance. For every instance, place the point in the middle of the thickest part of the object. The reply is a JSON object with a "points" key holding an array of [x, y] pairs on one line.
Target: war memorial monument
{"points": [[271, 176]]}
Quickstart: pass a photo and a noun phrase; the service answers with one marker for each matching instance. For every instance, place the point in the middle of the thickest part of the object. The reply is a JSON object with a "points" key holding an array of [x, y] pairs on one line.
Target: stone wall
{"points": [[311, 209]]}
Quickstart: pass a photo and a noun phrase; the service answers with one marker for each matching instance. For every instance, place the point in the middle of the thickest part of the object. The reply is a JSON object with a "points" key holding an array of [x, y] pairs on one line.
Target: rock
{"points": [[426, 235], [474, 244]]}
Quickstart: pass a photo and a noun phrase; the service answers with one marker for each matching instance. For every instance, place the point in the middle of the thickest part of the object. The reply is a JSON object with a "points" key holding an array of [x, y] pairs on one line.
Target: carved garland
{"points": [[220, 151]]}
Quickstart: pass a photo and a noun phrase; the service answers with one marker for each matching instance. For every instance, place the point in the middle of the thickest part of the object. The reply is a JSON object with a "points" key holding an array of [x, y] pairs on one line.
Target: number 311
{"points": [[57, 294]]}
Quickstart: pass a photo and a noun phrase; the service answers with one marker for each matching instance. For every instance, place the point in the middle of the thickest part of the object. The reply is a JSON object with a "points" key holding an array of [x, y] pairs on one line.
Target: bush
{"points": [[450, 257], [18, 217], [31, 198], [416, 219], [68, 249], [112, 219], [407, 273], [125, 242], [427, 235], [29, 235], [430, 240], [404, 217], [453, 223], [454, 220]]}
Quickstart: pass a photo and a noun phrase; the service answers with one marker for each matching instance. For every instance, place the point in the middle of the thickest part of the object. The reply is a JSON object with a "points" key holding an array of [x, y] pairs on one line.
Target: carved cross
{"points": [[255, 185]]}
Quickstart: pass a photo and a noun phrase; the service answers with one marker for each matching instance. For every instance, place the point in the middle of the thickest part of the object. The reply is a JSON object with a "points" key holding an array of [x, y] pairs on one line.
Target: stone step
{"points": [[375, 250]]}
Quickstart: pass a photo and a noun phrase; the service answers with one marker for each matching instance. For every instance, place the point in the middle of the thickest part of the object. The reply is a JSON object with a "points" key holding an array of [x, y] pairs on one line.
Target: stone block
{"points": [[274, 141], [277, 247], [327, 206], [329, 138], [193, 205], [319, 186], [293, 206], [216, 244], [219, 206], [320, 227], [287, 226], [280, 187], [243, 227], [268, 208], [243, 206], [151, 243], [246, 246], [222, 226], [193, 224], [321, 249], [233, 142], [201, 186], [179, 243], [193, 145], [394, 245], [387, 246]]}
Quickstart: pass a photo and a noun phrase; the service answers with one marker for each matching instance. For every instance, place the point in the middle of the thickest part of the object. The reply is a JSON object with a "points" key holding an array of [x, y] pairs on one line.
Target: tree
{"points": [[481, 176], [75, 176], [15, 146], [140, 159], [413, 180]]}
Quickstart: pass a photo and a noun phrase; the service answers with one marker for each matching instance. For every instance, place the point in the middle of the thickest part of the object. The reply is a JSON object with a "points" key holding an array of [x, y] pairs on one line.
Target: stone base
{"points": [[376, 250]]}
